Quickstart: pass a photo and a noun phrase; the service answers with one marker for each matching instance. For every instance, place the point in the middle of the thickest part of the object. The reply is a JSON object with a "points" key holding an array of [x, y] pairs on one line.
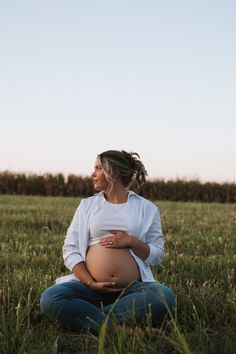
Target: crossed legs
{"points": [[75, 306]]}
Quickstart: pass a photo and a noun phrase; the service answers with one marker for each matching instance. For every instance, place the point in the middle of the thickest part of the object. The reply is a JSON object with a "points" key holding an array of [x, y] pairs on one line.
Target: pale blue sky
{"points": [[156, 77]]}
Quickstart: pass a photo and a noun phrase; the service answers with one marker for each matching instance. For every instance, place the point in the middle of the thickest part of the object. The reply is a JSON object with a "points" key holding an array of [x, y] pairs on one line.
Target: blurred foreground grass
{"points": [[199, 265]]}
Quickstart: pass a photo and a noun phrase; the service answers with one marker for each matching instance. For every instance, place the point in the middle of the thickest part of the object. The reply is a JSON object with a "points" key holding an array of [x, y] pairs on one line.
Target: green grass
{"points": [[199, 265]]}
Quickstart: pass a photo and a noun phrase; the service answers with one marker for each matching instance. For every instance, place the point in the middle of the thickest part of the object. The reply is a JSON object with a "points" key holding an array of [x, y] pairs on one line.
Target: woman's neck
{"points": [[118, 195]]}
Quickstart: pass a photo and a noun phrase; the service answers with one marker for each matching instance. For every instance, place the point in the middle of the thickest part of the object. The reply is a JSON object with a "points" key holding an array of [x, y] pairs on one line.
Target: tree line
{"points": [[79, 186]]}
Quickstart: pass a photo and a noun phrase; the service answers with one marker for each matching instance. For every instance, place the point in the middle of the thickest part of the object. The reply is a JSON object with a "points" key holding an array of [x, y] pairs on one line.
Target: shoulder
{"points": [[89, 202], [146, 204]]}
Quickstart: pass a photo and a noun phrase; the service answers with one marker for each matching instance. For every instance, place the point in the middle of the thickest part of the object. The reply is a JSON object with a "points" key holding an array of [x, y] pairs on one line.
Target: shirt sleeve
{"points": [[70, 250], [154, 240]]}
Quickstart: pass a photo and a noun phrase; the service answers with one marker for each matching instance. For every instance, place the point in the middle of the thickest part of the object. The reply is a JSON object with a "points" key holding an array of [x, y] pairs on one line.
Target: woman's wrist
{"points": [[90, 282], [140, 248], [80, 270], [132, 242]]}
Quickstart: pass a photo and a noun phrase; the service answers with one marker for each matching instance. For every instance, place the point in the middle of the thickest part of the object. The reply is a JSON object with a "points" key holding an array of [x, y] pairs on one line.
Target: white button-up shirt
{"points": [[144, 219]]}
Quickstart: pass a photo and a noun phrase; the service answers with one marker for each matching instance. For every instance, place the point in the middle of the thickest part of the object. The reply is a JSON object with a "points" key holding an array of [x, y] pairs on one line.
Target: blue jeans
{"points": [[75, 306]]}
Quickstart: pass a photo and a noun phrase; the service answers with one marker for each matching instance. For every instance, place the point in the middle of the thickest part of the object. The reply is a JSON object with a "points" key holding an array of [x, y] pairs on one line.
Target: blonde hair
{"points": [[126, 166]]}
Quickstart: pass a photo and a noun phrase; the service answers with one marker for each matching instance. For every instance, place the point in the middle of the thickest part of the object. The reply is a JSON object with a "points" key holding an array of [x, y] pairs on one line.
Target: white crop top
{"points": [[111, 217]]}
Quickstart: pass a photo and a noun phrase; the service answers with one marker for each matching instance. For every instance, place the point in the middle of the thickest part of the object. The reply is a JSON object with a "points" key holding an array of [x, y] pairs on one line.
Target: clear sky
{"points": [[156, 77]]}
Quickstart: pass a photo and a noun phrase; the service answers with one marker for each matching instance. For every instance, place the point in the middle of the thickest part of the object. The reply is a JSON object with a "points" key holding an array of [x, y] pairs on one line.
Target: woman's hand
{"points": [[106, 287], [118, 239]]}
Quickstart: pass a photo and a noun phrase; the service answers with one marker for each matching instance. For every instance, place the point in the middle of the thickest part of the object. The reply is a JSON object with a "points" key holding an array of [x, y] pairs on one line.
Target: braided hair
{"points": [[124, 165]]}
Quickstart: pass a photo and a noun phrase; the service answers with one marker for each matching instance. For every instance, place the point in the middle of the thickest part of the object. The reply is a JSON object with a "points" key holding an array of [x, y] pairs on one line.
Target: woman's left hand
{"points": [[118, 239]]}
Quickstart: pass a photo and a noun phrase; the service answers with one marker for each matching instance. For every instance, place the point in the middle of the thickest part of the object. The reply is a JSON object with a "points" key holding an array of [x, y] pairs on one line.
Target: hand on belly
{"points": [[106, 287], [117, 239], [112, 265]]}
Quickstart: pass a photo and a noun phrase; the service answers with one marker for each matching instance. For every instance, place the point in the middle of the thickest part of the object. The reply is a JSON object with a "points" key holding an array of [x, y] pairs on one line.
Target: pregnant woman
{"points": [[114, 238]]}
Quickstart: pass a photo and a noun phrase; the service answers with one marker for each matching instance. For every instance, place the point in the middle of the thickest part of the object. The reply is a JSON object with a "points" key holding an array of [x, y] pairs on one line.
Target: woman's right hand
{"points": [[106, 287]]}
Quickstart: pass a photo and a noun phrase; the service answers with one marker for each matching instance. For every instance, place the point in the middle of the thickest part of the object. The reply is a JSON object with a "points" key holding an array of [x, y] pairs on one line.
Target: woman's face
{"points": [[100, 182]]}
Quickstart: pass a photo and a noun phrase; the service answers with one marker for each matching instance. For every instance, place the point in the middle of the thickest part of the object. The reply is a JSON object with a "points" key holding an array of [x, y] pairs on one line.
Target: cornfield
{"points": [[74, 186]]}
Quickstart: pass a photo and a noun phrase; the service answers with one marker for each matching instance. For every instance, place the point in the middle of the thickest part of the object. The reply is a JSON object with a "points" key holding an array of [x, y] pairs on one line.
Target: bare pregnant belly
{"points": [[112, 264]]}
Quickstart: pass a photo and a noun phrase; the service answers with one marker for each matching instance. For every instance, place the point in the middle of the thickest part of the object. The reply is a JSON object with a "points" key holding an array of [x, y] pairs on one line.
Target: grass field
{"points": [[199, 265]]}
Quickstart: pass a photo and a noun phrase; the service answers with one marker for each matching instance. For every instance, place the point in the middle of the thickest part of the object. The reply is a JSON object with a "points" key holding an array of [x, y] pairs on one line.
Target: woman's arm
{"points": [[71, 247], [155, 241], [140, 248], [80, 270]]}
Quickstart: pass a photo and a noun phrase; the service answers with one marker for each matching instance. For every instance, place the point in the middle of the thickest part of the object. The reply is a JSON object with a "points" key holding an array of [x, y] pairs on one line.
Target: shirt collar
{"points": [[129, 194]]}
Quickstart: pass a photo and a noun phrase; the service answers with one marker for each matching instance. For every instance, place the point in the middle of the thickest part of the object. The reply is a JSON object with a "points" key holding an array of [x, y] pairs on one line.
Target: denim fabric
{"points": [[76, 306]]}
